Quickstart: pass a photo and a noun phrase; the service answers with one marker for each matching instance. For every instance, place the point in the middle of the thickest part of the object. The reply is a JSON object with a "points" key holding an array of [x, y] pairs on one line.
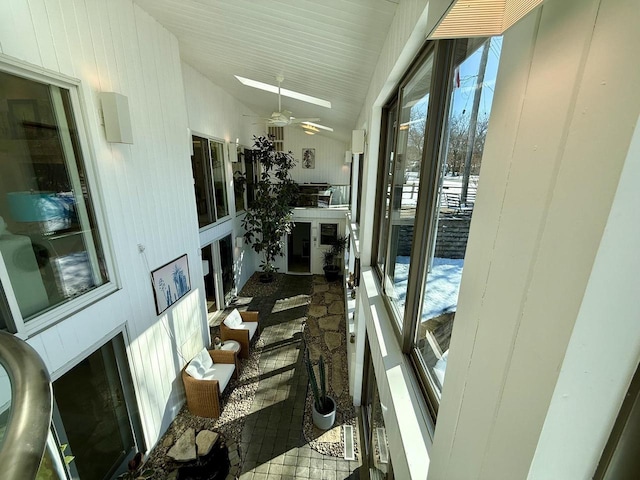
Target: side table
{"points": [[232, 346]]}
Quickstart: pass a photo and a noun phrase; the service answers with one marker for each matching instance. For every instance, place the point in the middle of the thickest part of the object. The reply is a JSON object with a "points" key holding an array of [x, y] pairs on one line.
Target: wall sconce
{"points": [[348, 156], [205, 267], [116, 116], [232, 151], [239, 242], [497, 16], [357, 141]]}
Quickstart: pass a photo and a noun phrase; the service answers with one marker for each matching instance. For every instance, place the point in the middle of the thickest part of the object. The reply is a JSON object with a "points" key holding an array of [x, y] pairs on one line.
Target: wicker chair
{"points": [[240, 335], [203, 396]]}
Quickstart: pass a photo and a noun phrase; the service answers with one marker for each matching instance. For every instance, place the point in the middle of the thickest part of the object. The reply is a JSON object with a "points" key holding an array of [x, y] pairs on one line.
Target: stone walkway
{"points": [[273, 444]]}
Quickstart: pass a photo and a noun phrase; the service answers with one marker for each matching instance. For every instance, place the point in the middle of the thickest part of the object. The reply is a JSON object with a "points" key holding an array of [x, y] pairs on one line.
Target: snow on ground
{"points": [[443, 284]]}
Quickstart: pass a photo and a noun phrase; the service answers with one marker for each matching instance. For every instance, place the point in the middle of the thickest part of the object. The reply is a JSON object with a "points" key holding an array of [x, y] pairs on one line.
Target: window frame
{"points": [[58, 313], [210, 178], [431, 160]]}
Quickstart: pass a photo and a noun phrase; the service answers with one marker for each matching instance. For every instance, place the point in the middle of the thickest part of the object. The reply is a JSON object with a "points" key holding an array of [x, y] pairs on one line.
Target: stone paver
{"points": [[336, 308], [331, 322], [332, 340], [317, 311]]}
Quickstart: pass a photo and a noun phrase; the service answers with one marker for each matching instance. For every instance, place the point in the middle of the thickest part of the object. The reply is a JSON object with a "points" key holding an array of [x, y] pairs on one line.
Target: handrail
{"points": [[29, 420]]}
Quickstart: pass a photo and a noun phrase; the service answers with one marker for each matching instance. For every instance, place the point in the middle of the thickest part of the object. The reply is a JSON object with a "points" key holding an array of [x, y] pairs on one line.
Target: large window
{"points": [[433, 142], [210, 186], [50, 248]]}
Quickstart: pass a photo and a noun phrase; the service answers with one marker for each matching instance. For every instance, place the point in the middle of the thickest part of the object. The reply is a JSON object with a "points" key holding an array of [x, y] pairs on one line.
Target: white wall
{"points": [[145, 188]]}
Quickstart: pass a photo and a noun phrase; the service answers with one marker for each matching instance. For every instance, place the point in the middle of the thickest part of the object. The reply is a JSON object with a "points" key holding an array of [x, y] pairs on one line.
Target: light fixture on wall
{"points": [[348, 156], [357, 141], [116, 116], [232, 151], [480, 18], [239, 242]]}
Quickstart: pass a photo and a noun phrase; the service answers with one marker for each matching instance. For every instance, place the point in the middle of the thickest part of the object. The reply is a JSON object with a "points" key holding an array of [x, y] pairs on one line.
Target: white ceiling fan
{"points": [[282, 118]]}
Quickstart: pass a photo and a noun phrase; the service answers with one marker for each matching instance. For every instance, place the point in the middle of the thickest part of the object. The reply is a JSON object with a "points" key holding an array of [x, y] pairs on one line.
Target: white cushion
{"points": [[234, 319], [251, 326], [198, 367], [221, 372]]}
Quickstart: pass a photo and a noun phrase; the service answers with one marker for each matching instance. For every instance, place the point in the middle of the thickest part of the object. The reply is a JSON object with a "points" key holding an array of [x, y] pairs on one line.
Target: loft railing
{"points": [[25, 408]]}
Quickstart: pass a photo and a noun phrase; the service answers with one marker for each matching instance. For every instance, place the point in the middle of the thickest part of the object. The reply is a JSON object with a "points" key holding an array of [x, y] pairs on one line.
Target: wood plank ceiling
{"points": [[324, 48]]}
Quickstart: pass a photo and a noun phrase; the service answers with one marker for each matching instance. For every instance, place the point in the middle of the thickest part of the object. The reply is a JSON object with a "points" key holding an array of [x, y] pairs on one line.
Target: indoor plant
{"points": [[270, 216], [324, 407], [331, 258]]}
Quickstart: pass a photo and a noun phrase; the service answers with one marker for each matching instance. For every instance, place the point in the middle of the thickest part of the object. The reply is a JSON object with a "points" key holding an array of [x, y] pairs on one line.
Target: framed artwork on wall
{"points": [[170, 283], [308, 158]]}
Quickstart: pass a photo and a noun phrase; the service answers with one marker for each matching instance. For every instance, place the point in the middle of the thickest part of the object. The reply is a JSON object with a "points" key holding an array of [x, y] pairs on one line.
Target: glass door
{"points": [[226, 264], [96, 415], [209, 279]]}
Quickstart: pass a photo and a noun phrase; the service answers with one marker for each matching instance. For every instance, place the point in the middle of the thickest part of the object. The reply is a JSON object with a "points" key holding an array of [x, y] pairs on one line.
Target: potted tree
{"points": [[270, 216], [332, 258], [324, 407]]}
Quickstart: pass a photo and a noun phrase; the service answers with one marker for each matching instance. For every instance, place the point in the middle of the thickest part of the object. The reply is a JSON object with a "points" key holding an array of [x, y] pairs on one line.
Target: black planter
{"points": [[331, 273], [267, 277]]}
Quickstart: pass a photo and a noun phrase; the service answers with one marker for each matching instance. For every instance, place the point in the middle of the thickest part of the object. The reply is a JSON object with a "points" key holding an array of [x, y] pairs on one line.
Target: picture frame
{"points": [[170, 283], [308, 158]]}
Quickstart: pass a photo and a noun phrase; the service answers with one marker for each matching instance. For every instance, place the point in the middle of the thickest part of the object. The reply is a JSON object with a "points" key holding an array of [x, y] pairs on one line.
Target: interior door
{"points": [[299, 248]]}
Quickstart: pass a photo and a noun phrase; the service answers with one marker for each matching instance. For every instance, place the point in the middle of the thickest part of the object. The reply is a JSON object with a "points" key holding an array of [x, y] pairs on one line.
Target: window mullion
{"points": [[210, 184]]}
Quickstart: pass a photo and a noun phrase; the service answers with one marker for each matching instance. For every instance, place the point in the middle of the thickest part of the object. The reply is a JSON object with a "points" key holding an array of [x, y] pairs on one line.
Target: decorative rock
{"points": [[330, 436], [336, 308], [314, 352], [320, 288], [332, 297], [233, 471], [168, 441], [332, 340], [332, 322], [317, 311], [184, 449], [336, 373], [173, 475], [205, 441], [314, 329]]}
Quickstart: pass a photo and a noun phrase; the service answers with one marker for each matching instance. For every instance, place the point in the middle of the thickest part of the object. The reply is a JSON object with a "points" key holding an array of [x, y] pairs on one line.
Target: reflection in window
{"points": [[470, 107], [406, 183], [209, 183], [48, 232]]}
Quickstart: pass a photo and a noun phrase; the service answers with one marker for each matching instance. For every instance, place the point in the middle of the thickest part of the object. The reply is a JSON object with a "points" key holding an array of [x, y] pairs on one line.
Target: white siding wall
{"points": [[146, 188]]}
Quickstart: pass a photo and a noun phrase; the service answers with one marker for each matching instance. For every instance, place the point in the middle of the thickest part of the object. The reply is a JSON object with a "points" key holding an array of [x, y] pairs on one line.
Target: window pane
{"points": [[94, 414], [406, 182], [201, 165], [49, 240], [462, 154], [219, 184]]}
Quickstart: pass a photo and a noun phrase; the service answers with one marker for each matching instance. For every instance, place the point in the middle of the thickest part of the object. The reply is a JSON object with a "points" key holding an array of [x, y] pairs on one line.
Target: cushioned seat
{"points": [[205, 378], [241, 327]]}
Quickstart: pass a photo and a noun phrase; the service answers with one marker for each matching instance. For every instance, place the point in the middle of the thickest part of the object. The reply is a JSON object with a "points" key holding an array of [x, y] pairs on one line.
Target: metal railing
{"points": [[28, 410]]}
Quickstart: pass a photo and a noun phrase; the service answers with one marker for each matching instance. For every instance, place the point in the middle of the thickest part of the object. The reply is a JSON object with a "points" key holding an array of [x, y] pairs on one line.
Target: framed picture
{"points": [[170, 283], [308, 158], [22, 112]]}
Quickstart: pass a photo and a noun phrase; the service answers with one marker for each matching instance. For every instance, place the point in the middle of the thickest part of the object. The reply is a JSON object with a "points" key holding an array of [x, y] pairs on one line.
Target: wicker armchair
{"points": [[240, 335], [203, 396]]}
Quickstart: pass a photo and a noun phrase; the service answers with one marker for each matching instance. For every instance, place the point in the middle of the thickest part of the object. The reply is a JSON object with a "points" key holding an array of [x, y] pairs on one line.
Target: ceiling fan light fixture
{"points": [[309, 128], [309, 132], [317, 125]]}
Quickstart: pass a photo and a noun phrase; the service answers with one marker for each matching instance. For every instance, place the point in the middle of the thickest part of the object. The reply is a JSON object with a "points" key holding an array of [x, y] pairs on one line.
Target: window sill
{"points": [[405, 413]]}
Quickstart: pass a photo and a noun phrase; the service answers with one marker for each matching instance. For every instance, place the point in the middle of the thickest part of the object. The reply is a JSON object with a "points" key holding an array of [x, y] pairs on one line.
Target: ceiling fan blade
{"points": [[283, 91], [316, 125], [304, 120]]}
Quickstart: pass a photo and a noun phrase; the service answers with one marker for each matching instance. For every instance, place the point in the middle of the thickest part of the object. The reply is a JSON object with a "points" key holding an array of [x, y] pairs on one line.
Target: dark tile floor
{"points": [[272, 437]]}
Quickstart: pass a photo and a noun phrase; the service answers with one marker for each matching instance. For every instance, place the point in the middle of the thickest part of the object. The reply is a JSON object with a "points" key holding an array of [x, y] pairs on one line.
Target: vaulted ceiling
{"points": [[323, 48]]}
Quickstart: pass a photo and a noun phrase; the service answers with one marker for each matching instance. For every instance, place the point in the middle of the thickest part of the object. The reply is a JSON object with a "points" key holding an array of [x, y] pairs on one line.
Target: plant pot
{"points": [[331, 273], [266, 277], [324, 421]]}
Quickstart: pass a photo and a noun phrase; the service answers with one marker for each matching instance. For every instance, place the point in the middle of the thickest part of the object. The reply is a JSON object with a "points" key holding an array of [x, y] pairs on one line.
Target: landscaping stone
{"points": [[336, 308], [173, 475], [318, 288], [205, 440], [332, 340], [317, 311], [312, 325], [332, 322], [332, 297], [184, 449], [168, 441], [314, 352]]}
